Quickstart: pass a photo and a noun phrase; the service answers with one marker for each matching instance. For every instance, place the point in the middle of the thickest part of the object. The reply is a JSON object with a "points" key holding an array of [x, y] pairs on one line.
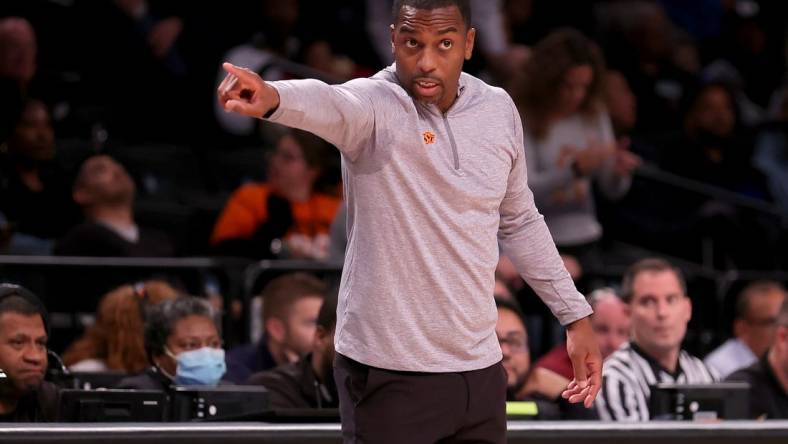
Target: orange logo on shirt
{"points": [[429, 137]]}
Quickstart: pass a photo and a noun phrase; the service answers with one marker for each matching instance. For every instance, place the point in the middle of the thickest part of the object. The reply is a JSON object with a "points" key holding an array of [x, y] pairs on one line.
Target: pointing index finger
{"points": [[240, 72]]}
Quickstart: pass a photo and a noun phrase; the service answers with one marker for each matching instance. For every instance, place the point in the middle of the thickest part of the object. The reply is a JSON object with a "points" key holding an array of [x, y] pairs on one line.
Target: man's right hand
{"points": [[244, 92]]}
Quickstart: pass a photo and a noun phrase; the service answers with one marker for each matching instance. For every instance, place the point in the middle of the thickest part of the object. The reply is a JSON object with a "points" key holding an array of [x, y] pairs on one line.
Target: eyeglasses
{"points": [[515, 341]]}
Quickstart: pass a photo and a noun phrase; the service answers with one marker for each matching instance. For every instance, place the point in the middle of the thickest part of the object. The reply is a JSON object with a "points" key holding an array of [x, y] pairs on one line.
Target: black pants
{"points": [[383, 406]]}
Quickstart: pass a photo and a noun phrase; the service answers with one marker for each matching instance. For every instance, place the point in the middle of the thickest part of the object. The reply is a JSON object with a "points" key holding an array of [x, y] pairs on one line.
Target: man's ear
{"points": [[391, 27], [275, 329], [80, 197], [470, 39]]}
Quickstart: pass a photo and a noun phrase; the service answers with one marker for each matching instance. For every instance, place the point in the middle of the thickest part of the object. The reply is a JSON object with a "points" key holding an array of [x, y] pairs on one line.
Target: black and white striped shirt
{"points": [[629, 372]]}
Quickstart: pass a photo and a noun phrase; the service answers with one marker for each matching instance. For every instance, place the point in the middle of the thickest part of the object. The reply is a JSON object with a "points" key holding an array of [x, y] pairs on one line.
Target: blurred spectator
{"points": [[183, 344], [754, 325], [308, 383], [644, 45], [713, 148], [33, 188], [611, 324], [569, 140], [656, 294], [768, 377], [753, 41], [524, 383], [24, 395], [105, 191], [647, 212], [18, 49], [287, 216], [621, 104], [291, 304], [116, 341], [750, 114]]}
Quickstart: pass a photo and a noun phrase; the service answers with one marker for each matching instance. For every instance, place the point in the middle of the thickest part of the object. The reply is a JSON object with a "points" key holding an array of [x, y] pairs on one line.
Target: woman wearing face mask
{"points": [[183, 344]]}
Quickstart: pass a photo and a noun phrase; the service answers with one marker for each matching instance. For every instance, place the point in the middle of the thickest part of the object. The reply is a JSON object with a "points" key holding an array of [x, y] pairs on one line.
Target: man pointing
{"points": [[434, 180]]}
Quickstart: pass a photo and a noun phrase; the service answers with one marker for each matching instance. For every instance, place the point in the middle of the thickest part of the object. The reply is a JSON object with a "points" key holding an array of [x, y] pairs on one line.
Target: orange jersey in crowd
{"points": [[246, 210]]}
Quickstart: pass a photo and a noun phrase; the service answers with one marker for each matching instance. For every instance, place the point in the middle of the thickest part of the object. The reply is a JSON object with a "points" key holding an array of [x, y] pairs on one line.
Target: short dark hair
{"points": [[511, 305], [18, 299], [648, 265], [161, 318], [743, 299], [281, 293], [463, 5]]}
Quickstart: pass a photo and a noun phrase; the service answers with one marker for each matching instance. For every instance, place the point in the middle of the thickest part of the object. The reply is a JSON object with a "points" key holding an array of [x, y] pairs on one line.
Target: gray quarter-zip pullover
{"points": [[430, 196]]}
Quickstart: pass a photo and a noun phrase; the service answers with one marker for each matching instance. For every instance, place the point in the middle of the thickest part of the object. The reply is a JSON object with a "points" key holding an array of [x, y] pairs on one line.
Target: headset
{"points": [[7, 290]]}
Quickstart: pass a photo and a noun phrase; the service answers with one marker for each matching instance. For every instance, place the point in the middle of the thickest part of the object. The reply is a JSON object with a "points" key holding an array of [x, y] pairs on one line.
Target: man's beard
{"points": [[513, 390]]}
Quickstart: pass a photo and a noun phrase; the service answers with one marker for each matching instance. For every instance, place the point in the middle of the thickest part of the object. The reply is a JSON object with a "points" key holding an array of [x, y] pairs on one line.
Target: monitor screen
{"points": [[729, 400], [112, 406]]}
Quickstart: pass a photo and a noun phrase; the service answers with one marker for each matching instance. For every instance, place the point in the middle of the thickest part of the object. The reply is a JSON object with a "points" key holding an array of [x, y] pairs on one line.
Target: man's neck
{"points": [[280, 354], [116, 215], [667, 359], [777, 369]]}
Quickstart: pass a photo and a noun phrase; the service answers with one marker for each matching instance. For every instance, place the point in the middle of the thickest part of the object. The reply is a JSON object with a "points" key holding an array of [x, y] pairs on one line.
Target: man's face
{"points": [[23, 350], [105, 181], [660, 311], [300, 325], [18, 50], [611, 324], [288, 168], [33, 136], [430, 46], [514, 346], [713, 113], [758, 327]]}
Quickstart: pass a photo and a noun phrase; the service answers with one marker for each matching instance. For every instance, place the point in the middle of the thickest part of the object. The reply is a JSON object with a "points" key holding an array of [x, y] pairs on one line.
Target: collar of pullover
{"points": [[390, 74]]}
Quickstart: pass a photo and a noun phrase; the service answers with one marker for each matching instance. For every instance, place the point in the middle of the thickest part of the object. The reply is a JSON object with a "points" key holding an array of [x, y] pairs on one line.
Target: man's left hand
{"points": [[583, 350]]}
